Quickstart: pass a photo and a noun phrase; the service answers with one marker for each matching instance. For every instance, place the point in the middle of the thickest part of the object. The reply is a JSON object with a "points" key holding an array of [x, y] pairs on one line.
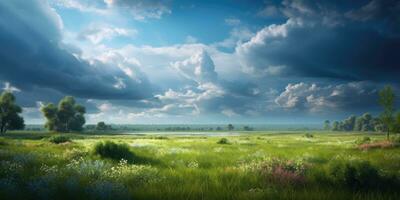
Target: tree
{"points": [[101, 126], [327, 125], [397, 123], [9, 113], [349, 123], [386, 100], [335, 126], [230, 127], [248, 128], [67, 116]]}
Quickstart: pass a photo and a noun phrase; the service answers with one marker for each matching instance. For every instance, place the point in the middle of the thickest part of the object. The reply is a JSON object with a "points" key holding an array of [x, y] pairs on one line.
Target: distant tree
{"points": [[101, 126], [359, 124], [230, 127], [327, 125], [67, 116], [218, 128], [386, 100], [397, 123], [349, 123], [335, 126], [9, 113], [247, 128]]}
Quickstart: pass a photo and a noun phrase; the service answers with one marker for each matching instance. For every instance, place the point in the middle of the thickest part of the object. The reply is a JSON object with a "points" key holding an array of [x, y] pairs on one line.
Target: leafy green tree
{"points": [[335, 126], [327, 125], [386, 100], [230, 127], [67, 116], [349, 123], [397, 122], [101, 126], [9, 113]]}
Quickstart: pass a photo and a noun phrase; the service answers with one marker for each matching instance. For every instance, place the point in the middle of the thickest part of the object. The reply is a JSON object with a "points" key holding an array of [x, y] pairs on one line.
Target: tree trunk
{"points": [[387, 135], [2, 128]]}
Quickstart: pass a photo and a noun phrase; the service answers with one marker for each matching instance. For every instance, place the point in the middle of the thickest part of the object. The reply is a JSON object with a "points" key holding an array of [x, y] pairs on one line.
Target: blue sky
{"points": [[133, 61]]}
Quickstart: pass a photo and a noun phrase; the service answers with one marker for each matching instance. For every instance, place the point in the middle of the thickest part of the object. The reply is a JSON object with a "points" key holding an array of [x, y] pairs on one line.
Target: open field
{"points": [[249, 165]]}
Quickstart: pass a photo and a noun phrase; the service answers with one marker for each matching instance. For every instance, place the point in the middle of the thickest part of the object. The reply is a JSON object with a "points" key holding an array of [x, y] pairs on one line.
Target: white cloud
{"points": [[9, 88], [268, 11], [314, 98], [141, 9], [199, 67], [97, 33], [190, 39], [229, 113]]}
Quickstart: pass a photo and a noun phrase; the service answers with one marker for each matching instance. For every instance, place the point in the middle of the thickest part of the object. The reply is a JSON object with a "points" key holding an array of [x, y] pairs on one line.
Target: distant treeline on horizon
{"points": [[190, 127]]}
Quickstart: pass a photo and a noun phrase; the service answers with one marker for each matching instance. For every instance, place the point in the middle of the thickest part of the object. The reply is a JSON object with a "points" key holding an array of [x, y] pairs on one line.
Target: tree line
{"points": [[388, 121]]}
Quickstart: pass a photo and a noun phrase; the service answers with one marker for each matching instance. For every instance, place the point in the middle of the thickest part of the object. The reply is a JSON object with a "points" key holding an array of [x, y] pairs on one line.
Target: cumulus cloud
{"points": [[316, 41], [47, 63], [199, 67], [314, 98]]}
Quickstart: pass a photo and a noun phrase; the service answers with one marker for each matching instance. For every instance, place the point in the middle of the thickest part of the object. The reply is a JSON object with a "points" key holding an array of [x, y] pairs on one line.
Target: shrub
{"points": [[3, 142], [364, 140], [284, 172], [356, 175], [223, 141], [58, 139], [308, 135], [161, 138], [112, 150]]}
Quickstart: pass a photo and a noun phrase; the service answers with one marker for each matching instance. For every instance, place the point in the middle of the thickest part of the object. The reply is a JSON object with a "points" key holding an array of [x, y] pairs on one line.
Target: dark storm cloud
{"points": [[32, 56], [358, 43]]}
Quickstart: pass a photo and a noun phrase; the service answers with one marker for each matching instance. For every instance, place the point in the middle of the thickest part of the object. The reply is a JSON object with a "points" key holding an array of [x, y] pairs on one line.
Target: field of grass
{"points": [[245, 165]]}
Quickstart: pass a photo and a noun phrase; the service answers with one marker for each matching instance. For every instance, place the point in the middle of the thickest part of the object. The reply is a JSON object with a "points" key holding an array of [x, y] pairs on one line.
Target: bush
{"points": [[364, 140], [113, 151], [223, 141], [308, 135], [357, 175], [58, 139], [3, 142], [284, 172]]}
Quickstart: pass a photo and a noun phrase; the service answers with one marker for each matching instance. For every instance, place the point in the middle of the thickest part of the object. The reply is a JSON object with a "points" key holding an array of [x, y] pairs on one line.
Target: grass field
{"points": [[247, 165]]}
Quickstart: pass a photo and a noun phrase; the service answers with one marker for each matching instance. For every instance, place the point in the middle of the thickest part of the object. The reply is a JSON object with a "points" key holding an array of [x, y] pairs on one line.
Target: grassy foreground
{"points": [[253, 165]]}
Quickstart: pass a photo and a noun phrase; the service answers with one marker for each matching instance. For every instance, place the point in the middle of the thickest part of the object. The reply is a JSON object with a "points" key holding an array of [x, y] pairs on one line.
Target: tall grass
{"points": [[286, 166]]}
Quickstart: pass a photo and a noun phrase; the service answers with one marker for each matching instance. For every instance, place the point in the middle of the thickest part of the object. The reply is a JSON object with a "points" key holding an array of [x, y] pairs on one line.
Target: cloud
{"points": [[139, 9], [47, 63], [190, 39], [96, 33], [199, 67], [268, 11], [314, 98], [142, 9], [93, 6], [229, 113], [232, 21], [313, 43], [9, 88]]}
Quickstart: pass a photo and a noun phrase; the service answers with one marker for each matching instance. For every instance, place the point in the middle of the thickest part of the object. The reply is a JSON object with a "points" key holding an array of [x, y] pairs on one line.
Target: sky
{"points": [[177, 62]]}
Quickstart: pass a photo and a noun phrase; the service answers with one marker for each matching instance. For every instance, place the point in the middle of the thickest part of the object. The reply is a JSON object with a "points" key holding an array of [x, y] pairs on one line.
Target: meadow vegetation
{"points": [[260, 165]]}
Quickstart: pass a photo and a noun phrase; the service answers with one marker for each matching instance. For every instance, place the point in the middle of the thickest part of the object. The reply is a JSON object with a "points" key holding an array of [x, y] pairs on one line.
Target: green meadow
{"points": [[243, 165]]}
